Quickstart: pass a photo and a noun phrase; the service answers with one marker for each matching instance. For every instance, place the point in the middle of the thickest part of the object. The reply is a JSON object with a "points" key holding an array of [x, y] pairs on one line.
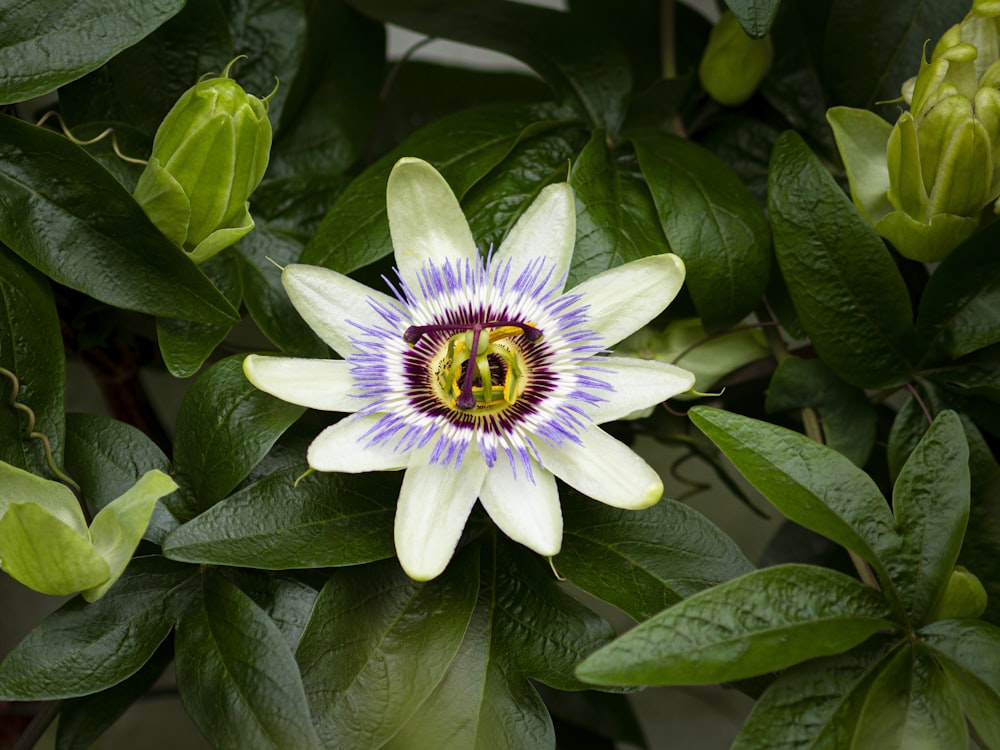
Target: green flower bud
{"points": [[733, 64], [209, 154], [964, 597]]}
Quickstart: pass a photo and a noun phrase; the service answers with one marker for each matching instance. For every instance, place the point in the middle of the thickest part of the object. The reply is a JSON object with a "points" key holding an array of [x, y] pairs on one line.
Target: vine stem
{"points": [[47, 713], [814, 430]]}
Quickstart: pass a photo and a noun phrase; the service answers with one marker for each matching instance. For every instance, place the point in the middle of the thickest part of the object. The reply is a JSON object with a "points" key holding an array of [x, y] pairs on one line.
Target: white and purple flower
{"points": [[480, 377]]}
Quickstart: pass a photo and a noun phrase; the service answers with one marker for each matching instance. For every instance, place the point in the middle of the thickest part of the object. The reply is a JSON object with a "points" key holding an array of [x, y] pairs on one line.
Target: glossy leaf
{"points": [[969, 651], [286, 598], [764, 621], [977, 374], [712, 221], [644, 562], [280, 523], [523, 626], [107, 247], [236, 674], [815, 705], [376, 646], [224, 428], [31, 349], [583, 67], [931, 505], [107, 457], [755, 16], [71, 39], [960, 308], [846, 415], [811, 484], [846, 288], [83, 648], [463, 147], [615, 215]]}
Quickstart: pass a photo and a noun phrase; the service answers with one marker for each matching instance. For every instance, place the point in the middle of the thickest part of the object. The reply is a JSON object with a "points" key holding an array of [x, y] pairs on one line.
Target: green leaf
{"points": [[41, 50], [977, 374], [814, 705], [31, 349], [236, 674], [184, 344], [862, 139], [377, 644], [66, 215], [523, 626], [969, 652], [960, 308], [911, 706], [872, 48], [107, 457], [845, 286], [463, 147], [764, 621], [286, 598], [333, 97], [644, 562], [615, 214], [83, 720], [755, 16], [811, 484], [931, 505], [584, 67], [846, 415], [225, 427], [83, 648], [712, 221], [745, 145], [280, 523], [120, 524]]}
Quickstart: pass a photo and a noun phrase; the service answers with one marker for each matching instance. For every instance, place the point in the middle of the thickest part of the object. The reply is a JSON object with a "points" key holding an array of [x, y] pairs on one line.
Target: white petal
{"points": [[623, 299], [434, 504], [527, 511], [327, 300], [637, 383], [605, 469], [425, 220], [316, 383], [344, 447], [547, 229]]}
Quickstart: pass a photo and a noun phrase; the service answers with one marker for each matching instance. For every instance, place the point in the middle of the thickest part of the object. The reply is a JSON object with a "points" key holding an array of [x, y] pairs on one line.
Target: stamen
{"points": [[504, 329]]}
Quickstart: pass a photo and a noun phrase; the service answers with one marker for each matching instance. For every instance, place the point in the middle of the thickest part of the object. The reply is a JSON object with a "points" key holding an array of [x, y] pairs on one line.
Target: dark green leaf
{"points": [[712, 221], [333, 97], [106, 457], [286, 599], [811, 484], [597, 718], [644, 562], [615, 214], [846, 415], [41, 49], [969, 651], [31, 349], [848, 292], [236, 674], [583, 66], [63, 213], [523, 626], [931, 505], [816, 704], [376, 646], [83, 720], [225, 427], [279, 523], [872, 48], [755, 16], [745, 144], [83, 648], [463, 147], [960, 307], [911, 704], [762, 622], [977, 374], [495, 203], [184, 344]]}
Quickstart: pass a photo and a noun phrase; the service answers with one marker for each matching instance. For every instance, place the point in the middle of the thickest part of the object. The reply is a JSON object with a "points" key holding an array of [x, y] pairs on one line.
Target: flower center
{"points": [[481, 368]]}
